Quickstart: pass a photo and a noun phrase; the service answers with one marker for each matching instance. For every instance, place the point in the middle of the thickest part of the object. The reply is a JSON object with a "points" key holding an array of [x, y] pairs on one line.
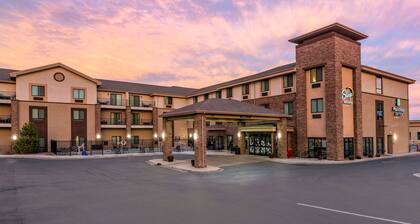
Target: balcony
{"points": [[5, 121], [7, 96], [113, 123], [121, 104], [142, 105], [142, 123]]}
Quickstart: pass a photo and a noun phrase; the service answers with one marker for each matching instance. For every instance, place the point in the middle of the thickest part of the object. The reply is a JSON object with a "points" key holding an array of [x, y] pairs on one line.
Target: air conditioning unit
{"points": [[264, 94], [316, 85], [78, 101], [245, 97], [288, 90], [316, 116], [38, 98]]}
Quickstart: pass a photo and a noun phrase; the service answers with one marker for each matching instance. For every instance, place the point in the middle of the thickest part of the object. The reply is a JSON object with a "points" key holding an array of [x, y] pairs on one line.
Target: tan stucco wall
{"points": [[393, 125], [5, 109], [59, 118], [55, 91], [106, 134], [5, 140], [145, 134], [181, 129], [413, 132], [8, 87], [316, 127], [390, 87], [348, 114]]}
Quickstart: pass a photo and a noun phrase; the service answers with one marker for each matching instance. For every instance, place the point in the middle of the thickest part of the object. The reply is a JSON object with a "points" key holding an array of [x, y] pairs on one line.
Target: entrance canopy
{"points": [[223, 110]]}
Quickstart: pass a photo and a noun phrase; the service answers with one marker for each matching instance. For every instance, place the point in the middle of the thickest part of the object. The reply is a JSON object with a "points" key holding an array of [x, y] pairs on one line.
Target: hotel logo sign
{"points": [[347, 96], [397, 109]]}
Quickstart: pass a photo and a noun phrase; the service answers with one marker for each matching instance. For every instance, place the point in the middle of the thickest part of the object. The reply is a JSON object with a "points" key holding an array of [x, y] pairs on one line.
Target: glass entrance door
{"points": [[260, 144]]}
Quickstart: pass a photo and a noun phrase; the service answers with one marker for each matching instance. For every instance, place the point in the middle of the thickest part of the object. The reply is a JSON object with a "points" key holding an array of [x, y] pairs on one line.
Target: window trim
{"points": [[376, 85], [317, 105], [316, 74], [218, 94], [134, 96], [116, 94], [78, 89], [168, 100], [38, 85], [245, 89], [229, 92], [195, 99], [78, 110], [268, 85], [289, 112], [286, 81]]}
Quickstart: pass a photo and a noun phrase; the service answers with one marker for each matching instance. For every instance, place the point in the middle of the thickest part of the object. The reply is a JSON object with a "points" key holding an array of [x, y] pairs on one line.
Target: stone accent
{"points": [[241, 140], [168, 141], [331, 51], [155, 116], [14, 110], [97, 119], [128, 124], [282, 142], [200, 146]]}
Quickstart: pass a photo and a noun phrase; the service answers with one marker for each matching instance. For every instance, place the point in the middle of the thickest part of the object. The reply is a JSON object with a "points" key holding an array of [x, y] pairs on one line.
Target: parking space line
{"points": [[351, 213], [417, 175]]}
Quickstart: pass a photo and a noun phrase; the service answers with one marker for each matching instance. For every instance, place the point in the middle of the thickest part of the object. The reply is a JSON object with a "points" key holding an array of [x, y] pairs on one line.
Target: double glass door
{"points": [[260, 144]]}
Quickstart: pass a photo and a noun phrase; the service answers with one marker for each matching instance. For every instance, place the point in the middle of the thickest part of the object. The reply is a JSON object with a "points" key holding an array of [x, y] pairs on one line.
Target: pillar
{"points": [[14, 116], [282, 138], [128, 125], [97, 119], [241, 140], [167, 142], [200, 146]]}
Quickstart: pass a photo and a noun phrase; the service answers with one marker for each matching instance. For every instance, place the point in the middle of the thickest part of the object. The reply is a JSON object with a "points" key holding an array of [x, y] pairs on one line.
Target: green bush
{"points": [[27, 141]]}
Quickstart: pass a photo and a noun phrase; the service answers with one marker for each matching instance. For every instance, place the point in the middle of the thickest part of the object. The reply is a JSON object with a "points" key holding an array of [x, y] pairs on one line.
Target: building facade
{"points": [[338, 107]]}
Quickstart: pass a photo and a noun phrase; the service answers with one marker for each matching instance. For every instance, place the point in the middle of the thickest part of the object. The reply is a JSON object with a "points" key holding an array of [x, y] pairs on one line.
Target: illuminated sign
{"points": [[397, 109], [347, 96]]}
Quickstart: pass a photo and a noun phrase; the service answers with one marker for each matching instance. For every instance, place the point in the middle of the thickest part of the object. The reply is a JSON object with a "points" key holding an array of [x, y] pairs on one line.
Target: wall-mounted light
{"points": [[190, 135], [14, 137], [279, 135], [395, 137], [155, 136], [163, 135], [195, 136], [128, 136], [239, 134], [98, 136]]}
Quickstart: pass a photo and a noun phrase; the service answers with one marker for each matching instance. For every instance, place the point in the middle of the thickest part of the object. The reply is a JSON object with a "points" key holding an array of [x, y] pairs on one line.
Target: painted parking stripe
{"points": [[417, 175], [351, 213]]}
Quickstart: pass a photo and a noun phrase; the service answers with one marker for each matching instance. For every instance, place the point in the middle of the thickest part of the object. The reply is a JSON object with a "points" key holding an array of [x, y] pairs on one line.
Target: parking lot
{"points": [[127, 190]]}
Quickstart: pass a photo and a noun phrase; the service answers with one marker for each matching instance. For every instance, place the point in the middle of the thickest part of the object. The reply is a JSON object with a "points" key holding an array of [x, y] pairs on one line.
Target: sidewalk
{"points": [[183, 166]]}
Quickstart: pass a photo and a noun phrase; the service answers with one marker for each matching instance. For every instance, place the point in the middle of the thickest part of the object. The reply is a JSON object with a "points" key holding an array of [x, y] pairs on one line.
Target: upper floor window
{"points": [[288, 108], [37, 90], [78, 94], [116, 99], [168, 100], [135, 118], [418, 135], [317, 105], [379, 110], [219, 94], [229, 92], [38, 113], [288, 81], [195, 99], [379, 87], [316, 74], [78, 114], [134, 100], [265, 85], [206, 96], [245, 89]]}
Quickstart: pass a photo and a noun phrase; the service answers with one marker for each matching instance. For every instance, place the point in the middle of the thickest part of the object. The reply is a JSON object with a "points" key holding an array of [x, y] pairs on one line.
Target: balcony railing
{"points": [[112, 121], [5, 119], [142, 122], [142, 103], [7, 95]]}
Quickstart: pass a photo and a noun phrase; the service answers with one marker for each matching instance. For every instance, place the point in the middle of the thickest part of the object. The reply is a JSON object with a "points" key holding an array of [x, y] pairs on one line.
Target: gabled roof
{"points": [[4, 74], [50, 66], [335, 27], [259, 76], [224, 107], [386, 74], [132, 87]]}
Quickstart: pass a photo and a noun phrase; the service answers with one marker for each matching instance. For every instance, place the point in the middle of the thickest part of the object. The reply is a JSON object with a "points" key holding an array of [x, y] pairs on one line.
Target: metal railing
{"points": [[109, 101], [7, 95], [113, 121], [5, 119], [143, 103], [142, 122]]}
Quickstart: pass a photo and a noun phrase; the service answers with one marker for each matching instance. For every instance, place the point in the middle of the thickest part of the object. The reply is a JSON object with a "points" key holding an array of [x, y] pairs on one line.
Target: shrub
{"points": [[28, 139]]}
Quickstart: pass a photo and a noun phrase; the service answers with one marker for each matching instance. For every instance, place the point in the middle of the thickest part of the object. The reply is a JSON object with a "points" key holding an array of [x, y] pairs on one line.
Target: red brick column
{"points": [[128, 125], [282, 141], [200, 146], [15, 117], [241, 140], [167, 142], [97, 119]]}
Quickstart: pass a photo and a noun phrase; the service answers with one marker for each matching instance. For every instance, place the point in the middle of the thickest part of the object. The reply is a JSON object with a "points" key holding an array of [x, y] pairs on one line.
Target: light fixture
{"points": [[98, 136], [239, 134], [279, 135], [190, 135], [128, 136], [155, 136], [195, 136], [163, 135], [14, 137], [395, 137]]}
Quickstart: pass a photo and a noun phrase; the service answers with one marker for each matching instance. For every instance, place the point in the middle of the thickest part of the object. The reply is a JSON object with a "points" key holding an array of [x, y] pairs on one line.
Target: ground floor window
{"points": [[317, 148], [135, 140], [260, 144], [348, 147], [115, 140], [368, 146], [380, 149]]}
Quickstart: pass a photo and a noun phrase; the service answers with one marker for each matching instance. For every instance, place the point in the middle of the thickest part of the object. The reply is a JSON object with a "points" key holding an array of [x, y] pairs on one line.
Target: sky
{"points": [[198, 43]]}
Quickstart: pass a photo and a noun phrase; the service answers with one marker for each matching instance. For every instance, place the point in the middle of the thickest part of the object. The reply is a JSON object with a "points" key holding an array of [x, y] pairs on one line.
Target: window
{"points": [[116, 99], [168, 100], [219, 94], [116, 118], [229, 92], [38, 90], [266, 105], [206, 96], [245, 89], [135, 118], [288, 81], [368, 146], [418, 135], [316, 74], [78, 114], [38, 113], [116, 140], [379, 86], [317, 105], [195, 99], [379, 110], [135, 140], [134, 100], [348, 147], [288, 108], [317, 148], [265, 85], [78, 94], [380, 146]]}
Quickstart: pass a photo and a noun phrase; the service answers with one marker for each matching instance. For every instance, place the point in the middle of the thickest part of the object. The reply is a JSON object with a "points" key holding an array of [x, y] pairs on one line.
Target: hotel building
{"points": [[337, 107]]}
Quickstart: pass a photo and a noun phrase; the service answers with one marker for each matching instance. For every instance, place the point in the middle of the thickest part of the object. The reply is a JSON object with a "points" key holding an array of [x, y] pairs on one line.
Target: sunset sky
{"points": [[197, 43]]}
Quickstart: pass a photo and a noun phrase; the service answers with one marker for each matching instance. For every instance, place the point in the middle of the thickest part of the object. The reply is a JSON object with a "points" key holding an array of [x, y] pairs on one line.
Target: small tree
{"points": [[28, 139]]}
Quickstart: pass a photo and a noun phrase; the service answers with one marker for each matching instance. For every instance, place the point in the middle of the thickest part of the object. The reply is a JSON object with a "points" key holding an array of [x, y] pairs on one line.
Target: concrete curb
{"points": [[183, 166], [297, 161]]}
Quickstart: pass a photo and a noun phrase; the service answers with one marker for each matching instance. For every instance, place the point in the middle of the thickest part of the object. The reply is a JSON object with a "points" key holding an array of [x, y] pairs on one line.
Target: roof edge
{"points": [[390, 75]]}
